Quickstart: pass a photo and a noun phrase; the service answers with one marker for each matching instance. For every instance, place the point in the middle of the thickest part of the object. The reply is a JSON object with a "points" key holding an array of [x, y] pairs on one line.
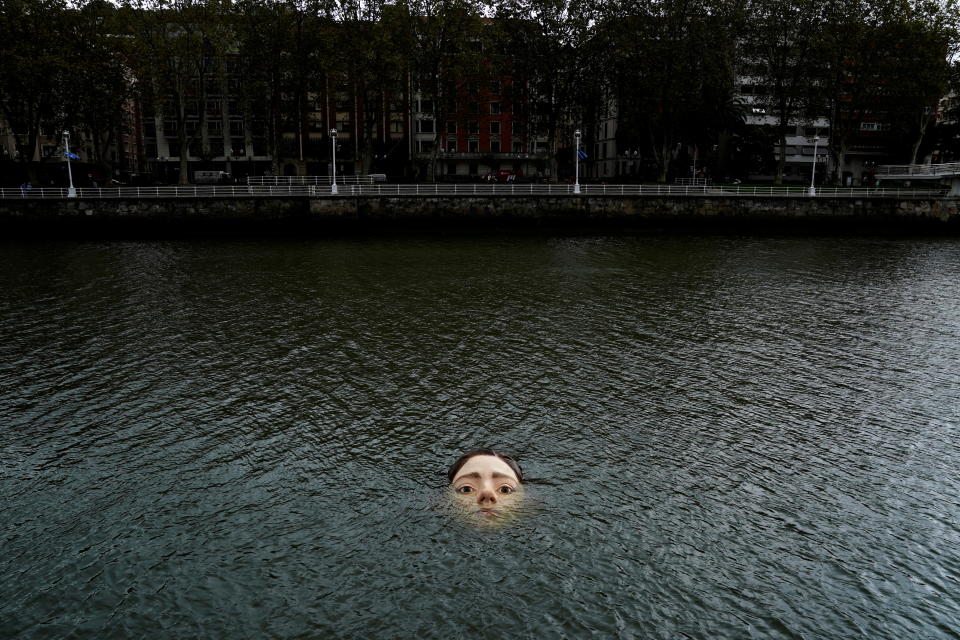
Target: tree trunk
{"points": [[184, 164], [841, 162], [273, 133], [915, 146], [782, 160], [225, 115], [183, 143]]}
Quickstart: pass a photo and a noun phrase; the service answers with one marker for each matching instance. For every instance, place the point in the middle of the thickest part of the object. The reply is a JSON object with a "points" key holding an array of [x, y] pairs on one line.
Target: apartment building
{"points": [[485, 132]]}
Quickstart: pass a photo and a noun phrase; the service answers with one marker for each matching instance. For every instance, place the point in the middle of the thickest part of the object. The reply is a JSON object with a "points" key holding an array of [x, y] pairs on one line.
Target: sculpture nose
{"points": [[486, 497]]}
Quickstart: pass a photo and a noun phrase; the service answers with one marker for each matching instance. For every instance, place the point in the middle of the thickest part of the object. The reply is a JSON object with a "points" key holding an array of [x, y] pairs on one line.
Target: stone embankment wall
{"points": [[397, 213]]}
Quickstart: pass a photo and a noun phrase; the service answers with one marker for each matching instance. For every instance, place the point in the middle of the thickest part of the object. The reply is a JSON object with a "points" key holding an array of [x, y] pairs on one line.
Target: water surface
{"points": [[726, 437]]}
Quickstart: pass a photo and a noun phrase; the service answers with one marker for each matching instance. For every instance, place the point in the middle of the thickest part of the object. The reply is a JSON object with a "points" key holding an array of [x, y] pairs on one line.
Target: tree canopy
{"points": [[671, 69]]}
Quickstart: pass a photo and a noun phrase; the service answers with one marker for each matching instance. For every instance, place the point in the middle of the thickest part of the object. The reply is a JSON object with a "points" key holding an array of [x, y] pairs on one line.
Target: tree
{"points": [[173, 53], [921, 39], [852, 52], [372, 44], [780, 54], [97, 89], [545, 40], [447, 47], [33, 69], [671, 70]]}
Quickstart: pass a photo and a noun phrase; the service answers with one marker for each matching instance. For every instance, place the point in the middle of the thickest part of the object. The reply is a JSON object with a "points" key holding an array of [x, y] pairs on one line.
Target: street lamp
{"points": [[333, 146], [813, 171], [576, 162], [71, 192]]}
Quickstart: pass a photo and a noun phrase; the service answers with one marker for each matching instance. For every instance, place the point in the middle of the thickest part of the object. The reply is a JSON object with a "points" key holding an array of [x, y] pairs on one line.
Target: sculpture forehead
{"points": [[485, 464]]}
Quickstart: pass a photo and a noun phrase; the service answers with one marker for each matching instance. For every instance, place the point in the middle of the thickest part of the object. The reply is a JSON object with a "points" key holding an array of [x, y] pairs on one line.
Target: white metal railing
{"points": [[286, 181], [470, 189], [895, 170]]}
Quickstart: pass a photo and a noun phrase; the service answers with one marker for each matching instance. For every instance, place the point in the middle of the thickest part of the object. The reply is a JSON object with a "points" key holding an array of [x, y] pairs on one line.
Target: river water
{"points": [[725, 437]]}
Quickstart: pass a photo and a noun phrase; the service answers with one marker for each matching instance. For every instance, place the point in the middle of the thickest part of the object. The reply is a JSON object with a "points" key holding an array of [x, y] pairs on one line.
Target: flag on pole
{"points": [[71, 155], [582, 154]]}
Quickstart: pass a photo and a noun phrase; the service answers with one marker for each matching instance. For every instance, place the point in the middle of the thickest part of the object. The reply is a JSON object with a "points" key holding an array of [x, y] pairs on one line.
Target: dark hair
{"points": [[462, 460]]}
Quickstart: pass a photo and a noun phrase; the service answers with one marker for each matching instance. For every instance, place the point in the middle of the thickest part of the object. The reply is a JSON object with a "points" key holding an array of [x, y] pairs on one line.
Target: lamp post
{"points": [[333, 146], [813, 171], [71, 192], [576, 162]]}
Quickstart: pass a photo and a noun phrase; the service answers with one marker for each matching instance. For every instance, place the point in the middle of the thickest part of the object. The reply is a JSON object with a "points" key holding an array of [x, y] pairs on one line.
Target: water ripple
{"points": [[726, 438]]}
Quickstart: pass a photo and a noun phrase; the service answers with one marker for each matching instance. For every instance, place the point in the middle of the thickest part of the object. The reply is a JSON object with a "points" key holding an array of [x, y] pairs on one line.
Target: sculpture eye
{"points": [[506, 489], [465, 489]]}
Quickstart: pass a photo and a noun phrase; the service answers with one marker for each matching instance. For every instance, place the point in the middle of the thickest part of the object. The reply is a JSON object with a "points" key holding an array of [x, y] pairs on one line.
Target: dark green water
{"points": [[726, 437]]}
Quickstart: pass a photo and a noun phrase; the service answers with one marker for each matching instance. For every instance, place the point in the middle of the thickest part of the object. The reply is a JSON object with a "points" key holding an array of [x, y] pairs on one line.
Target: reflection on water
{"points": [[724, 438]]}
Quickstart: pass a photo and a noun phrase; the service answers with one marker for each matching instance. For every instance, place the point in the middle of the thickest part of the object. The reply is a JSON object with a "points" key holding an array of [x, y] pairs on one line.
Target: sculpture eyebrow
{"points": [[476, 474]]}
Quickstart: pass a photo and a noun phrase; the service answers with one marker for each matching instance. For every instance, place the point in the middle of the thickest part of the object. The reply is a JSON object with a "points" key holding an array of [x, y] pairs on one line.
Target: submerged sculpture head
{"points": [[486, 482]]}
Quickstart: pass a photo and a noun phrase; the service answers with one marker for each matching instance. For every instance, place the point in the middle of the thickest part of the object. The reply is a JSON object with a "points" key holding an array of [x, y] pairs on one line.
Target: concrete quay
{"points": [[399, 213]]}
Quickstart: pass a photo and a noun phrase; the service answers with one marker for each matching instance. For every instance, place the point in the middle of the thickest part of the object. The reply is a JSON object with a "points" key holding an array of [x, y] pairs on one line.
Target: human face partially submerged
{"points": [[487, 485]]}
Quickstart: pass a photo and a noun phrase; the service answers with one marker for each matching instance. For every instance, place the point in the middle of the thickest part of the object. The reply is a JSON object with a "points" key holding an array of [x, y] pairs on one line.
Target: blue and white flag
{"points": [[582, 154], [71, 155]]}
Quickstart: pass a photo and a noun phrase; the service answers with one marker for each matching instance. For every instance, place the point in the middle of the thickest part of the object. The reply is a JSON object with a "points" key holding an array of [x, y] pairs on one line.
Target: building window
{"points": [[494, 146], [495, 127], [451, 145], [517, 146], [424, 126], [494, 87], [473, 126], [396, 126], [426, 106], [452, 128], [473, 146], [516, 128], [494, 108], [473, 108], [236, 128], [869, 126], [424, 146]]}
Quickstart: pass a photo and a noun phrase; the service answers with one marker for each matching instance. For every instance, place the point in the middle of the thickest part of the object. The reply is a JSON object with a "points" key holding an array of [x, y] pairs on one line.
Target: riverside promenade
{"points": [[395, 207]]}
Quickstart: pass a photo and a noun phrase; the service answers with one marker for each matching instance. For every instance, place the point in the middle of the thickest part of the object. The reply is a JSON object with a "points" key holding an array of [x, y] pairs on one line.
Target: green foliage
{"points": [[781, 52], [669, 68], [546, 43], [33, 69]]}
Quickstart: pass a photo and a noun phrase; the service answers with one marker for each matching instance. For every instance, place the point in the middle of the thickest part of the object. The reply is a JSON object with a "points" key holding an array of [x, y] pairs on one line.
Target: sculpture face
{"points": [[486, 486]]}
